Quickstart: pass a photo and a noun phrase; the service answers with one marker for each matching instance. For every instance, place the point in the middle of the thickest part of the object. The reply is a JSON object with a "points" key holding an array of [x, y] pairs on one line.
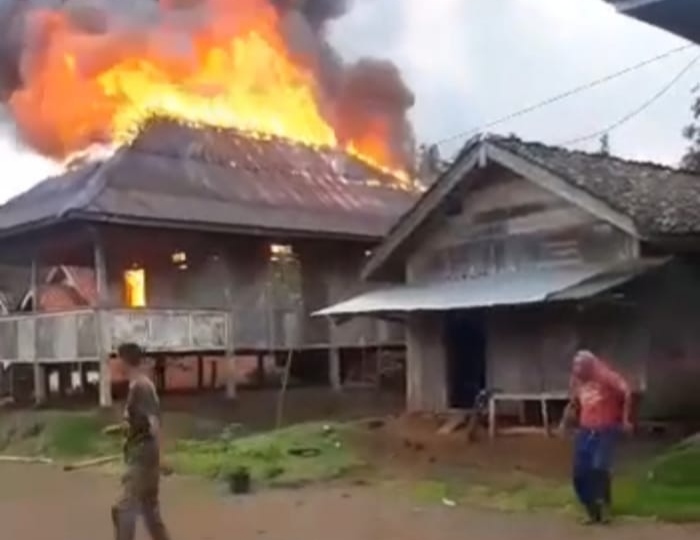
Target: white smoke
{"points": [[23, 167]]}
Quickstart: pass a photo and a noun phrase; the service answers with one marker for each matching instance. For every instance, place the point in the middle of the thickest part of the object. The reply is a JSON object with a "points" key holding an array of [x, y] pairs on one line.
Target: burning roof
{"points": [[79, 72], [185, 177]]}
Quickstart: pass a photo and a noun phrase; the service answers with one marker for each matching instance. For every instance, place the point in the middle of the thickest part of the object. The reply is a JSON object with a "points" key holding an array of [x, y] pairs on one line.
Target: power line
{"points": [[626, 118], [564, 95]]}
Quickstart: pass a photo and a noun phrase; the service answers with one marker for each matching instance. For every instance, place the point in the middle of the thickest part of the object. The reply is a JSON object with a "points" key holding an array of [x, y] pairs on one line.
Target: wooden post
{"points": [[65, 379], [545, 415], [83, 377], [40, 393], [102, 331], [334, 374], [214, 373], [230, 361], [200, 373], [159, 370], [492, 417], [260, 370]]}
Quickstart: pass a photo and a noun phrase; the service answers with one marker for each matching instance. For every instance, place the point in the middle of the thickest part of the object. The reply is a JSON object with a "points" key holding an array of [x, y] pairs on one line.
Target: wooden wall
{"points": [[651, 334], [426, 363], [505, 222], [236, 273]]}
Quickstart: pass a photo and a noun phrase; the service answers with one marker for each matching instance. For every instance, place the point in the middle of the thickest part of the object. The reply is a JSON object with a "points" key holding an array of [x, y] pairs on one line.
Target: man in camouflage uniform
{"points": [[141, 480]]}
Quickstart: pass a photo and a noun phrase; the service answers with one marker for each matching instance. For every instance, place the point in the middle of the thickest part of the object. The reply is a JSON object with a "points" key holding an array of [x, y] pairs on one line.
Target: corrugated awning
{"points": [[502, 289]]}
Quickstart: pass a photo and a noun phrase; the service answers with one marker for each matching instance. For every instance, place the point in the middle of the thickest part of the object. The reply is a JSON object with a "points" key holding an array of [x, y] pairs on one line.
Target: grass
{"points": [[667, 489], [55, 434], [271, 458]]}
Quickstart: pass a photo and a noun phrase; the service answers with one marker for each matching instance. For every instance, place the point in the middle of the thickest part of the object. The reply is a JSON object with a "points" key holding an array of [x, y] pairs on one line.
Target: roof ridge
{"points": [[495, 138], [95, 185]]}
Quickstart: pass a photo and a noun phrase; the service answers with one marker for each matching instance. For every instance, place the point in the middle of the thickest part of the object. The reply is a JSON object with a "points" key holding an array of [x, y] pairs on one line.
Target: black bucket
{"points": [[239, 481]]}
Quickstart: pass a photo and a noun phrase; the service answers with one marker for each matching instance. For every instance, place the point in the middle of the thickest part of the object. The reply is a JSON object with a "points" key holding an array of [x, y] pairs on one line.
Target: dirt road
{"points": [[43, 503]]}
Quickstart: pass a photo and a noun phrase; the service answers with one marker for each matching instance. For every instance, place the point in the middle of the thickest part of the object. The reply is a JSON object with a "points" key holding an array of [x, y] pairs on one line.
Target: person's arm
{"points": [[618, 383], [571, 410], [152, 412]]}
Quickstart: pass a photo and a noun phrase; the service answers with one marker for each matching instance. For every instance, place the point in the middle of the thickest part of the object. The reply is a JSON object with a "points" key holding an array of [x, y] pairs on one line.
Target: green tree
{"points": [[691, 160]]}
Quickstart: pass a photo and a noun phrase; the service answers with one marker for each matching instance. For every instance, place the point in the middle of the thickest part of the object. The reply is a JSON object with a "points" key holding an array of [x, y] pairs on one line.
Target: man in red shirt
{"points": [[601, 400]]}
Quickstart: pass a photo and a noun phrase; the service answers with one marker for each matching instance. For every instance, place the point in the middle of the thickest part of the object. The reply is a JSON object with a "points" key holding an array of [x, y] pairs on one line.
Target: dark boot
{"points": [[602, 495]]}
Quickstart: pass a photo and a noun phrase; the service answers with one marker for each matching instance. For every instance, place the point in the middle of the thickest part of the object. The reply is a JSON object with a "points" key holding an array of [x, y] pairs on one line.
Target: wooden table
{"points": [[542, 397]]}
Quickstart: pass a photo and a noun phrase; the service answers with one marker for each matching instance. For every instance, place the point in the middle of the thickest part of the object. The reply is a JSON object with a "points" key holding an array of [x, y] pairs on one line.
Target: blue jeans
{"points": [[593, 457]]}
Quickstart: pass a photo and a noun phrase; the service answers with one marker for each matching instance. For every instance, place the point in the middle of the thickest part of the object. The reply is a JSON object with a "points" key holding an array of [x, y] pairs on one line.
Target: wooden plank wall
{"points": [[652, 335], [426, 363], [506, 222]]}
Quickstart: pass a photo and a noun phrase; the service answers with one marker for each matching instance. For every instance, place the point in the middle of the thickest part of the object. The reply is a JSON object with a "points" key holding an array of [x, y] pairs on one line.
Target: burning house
{"points": [[202, 242], [247, 172], [520, 254]]}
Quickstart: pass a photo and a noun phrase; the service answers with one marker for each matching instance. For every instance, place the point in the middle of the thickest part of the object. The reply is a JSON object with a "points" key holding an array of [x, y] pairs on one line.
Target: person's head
{"points": [[131, 355], [584, 365]]}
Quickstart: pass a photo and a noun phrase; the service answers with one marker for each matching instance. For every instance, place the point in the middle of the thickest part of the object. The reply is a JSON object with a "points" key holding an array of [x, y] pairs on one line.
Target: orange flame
{"points": [[237, 73]]}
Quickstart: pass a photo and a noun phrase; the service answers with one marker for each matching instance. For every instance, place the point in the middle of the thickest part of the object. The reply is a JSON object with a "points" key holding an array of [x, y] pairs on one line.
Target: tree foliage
{"points": [[691, 160]]}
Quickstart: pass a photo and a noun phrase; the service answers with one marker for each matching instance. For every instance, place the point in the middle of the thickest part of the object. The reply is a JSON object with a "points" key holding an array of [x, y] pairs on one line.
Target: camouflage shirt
{"points": [[141, 405]]}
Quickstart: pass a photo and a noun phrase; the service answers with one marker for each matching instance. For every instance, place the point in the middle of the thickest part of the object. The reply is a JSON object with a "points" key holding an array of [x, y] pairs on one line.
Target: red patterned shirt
{"points": [[600, 398]]}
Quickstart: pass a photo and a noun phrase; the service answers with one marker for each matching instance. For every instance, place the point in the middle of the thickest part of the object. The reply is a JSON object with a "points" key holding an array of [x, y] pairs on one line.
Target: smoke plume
{"points": [[353, 96]]}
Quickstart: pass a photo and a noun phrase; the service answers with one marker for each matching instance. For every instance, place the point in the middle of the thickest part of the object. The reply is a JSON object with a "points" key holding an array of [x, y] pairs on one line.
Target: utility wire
{"points": [[564, 95], [630, 115]]}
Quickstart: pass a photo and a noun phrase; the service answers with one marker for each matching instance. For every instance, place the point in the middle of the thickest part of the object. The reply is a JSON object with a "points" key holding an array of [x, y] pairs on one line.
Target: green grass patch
{"points": [[667, 489], [55, 434], [291, 456]]}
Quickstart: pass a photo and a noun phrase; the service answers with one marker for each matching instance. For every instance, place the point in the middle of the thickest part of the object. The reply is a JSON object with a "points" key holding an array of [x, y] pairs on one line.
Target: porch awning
{"points": [[502, 289]]}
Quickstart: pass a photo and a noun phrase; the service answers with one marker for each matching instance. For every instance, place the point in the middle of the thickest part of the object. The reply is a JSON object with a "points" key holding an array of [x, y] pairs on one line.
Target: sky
{"points": [[473, 61]]}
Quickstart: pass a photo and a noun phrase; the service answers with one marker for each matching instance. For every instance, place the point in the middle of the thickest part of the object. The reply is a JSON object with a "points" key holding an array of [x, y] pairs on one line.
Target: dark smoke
{"points": [[354, 95]]}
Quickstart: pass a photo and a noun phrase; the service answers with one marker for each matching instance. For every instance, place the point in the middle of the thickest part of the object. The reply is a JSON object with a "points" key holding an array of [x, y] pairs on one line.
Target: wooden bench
{"points": [[522, 398]]}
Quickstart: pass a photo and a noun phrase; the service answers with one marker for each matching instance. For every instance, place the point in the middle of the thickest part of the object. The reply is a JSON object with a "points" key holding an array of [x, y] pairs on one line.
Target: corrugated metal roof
{"points": [[677, 16], [220, 178], [501, 289]]}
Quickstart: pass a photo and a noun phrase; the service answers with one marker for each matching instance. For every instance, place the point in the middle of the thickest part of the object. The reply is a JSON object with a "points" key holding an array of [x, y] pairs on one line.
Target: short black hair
{"points": [[130, 353]]}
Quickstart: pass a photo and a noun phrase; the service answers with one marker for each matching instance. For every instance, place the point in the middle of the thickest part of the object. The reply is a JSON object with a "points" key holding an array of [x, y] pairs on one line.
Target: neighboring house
{"points": [[677, 16], [198, 242], [521, 253], [64, 288]]}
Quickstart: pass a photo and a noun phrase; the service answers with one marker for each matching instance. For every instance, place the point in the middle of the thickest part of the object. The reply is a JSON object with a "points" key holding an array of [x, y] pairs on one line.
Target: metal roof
{"points": [[677, 16], [184, 177], [511, 288]]}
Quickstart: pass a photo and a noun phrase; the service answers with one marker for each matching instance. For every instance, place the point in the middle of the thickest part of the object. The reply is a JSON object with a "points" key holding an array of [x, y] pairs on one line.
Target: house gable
{"points": [[475, 167], [500, 220]]}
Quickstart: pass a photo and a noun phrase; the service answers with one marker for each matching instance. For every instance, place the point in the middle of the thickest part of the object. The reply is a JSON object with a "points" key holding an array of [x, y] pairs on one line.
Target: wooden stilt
{"points": [[334, 373], [260, 370], [102, 330], [230, 363], [40, 380], [200, 373]]}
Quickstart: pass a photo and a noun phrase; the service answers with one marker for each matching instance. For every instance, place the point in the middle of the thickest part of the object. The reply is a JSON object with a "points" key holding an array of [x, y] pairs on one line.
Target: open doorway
{"points": [[465, 341]]}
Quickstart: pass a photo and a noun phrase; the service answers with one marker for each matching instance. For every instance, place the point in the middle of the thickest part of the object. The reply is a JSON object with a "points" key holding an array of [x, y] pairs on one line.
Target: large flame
{"points": [[236, 73]]}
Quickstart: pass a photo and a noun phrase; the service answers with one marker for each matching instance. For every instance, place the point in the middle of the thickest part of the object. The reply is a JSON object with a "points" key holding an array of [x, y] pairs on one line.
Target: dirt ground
{"points": [[39, 502]]}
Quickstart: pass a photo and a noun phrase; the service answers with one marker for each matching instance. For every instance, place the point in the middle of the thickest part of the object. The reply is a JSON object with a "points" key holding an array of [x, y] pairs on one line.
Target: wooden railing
{"points": [[66, 336], [168, 330], [72, 336]]}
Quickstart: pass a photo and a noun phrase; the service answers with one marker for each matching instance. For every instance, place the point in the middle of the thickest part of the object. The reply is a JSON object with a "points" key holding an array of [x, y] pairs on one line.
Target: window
{"points": [[135, 287], [179, 259], [279, 252]]}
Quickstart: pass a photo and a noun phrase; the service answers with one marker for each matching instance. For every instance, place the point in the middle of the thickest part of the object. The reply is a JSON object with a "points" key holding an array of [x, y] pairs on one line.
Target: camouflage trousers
{"points": [[140, 487]]}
